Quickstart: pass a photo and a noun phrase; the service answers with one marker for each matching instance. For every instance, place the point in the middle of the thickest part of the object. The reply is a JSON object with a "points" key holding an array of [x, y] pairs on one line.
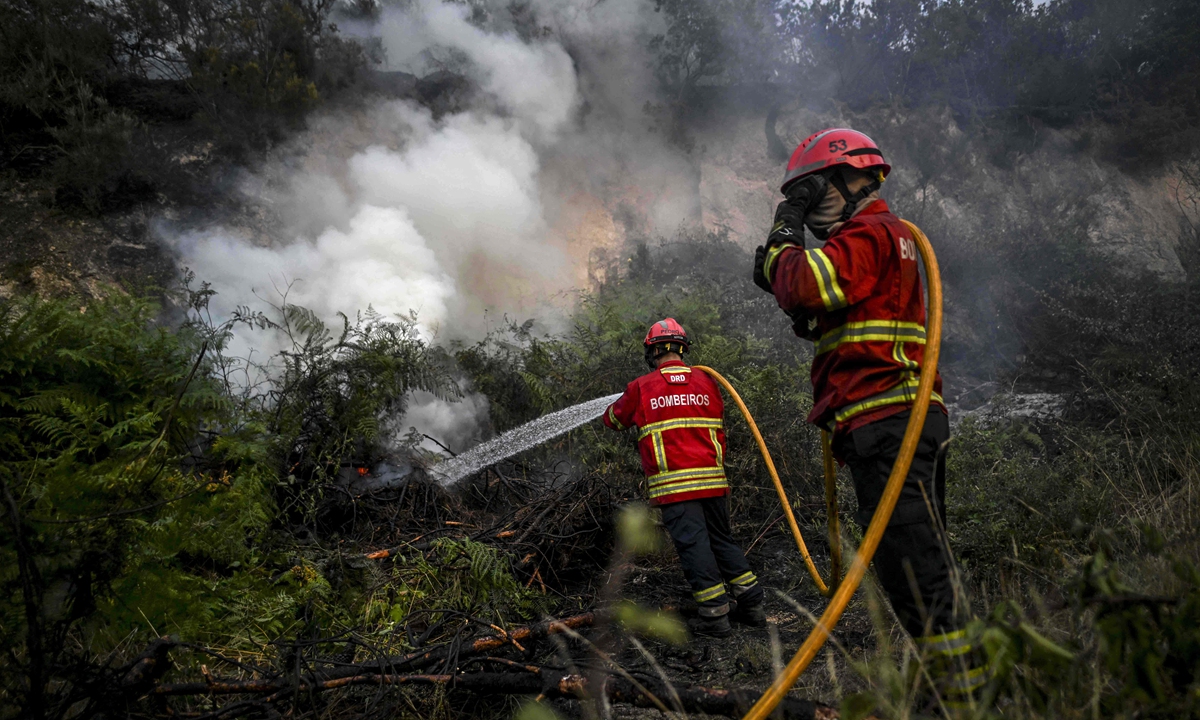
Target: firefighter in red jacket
{"points": [[681, 437], [859, 298]]}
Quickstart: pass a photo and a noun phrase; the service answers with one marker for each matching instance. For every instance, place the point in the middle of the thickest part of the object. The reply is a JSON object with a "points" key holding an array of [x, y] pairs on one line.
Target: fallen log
{"points": [[539, 681]]}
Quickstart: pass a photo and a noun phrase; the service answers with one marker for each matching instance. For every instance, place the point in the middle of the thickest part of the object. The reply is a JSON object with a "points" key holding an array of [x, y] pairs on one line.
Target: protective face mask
{"points": [[827, 213], [826, 217]]}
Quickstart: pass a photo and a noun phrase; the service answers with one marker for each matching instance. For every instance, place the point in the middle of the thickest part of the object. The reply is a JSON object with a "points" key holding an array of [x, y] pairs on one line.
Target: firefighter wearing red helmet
{"points": [[681, 437], [859, 298]]}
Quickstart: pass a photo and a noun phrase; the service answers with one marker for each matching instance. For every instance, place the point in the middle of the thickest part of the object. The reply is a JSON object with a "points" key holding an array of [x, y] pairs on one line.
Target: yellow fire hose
{"points": [[841, 592], [783, 498]]}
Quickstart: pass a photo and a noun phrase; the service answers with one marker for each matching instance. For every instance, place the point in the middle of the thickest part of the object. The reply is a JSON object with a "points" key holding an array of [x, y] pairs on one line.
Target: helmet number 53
{"points": [[837, 145]]}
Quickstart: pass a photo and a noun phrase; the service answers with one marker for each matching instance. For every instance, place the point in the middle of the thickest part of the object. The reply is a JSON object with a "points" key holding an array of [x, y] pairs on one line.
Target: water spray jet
{"points": [[519, 439]]}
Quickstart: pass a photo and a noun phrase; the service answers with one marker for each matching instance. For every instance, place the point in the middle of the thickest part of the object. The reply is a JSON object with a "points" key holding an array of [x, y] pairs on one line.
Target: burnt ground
{"points": [[746, 658], [565, 537]]}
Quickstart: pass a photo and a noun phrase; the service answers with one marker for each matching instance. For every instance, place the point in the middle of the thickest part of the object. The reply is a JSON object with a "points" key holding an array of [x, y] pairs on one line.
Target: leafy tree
{"points": [[82, 82], [706, 41]]}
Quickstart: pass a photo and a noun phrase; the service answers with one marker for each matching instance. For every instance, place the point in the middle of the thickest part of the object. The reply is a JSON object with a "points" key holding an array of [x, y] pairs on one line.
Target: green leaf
{"points": [[636, 530], [652, 623], [857, 706]]}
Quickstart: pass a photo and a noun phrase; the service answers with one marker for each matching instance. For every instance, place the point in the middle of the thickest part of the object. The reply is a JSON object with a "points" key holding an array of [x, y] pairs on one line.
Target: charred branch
{"points": [[533, 680]]}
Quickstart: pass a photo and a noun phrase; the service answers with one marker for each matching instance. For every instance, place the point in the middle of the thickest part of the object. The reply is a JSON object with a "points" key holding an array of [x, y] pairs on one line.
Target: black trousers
{"points": [[913, 562], [709, 555]]}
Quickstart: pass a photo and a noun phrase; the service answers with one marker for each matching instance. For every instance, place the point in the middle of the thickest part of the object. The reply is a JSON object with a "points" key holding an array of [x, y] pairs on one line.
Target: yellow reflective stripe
{"points": [[746, 579], [660, 453], [678, 423], [674, 370], [711, 593], [664, 490], [910, 366], [871, 331], [712, 434], [612, 416], [905, 392], [951, 643], [773, 254], [964, 683], [680, 487], [687, 474], [826, 275]]}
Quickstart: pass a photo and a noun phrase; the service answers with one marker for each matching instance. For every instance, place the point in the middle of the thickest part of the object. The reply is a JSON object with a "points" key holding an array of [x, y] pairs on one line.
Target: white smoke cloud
{"points": [[468, 215], [445, 421], [533, 81], [381, 260], [399, 211]]}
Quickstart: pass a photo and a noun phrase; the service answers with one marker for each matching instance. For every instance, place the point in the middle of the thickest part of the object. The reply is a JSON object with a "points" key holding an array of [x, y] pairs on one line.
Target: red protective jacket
{"points": [[681, 435], [864, 289]]}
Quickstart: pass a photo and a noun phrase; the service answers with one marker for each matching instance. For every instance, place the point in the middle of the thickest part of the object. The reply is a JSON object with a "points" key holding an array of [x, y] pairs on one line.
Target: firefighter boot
{"points": [[712, 622], [753, 615], [748, 596]]}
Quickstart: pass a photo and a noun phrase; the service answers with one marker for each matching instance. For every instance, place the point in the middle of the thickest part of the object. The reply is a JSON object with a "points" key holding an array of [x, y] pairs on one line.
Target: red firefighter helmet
{"points": [[663, 337], [834, 147]]}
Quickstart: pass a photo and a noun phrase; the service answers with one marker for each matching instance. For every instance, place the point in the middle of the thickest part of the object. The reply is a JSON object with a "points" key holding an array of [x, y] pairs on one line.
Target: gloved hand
{"points": [[807, 192], [804, 325], [802, 195], [788, 229]]}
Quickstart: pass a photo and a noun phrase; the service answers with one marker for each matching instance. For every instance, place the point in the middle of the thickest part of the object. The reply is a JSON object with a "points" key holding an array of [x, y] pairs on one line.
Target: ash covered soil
{"points": [[746, 658], [558, 534]]}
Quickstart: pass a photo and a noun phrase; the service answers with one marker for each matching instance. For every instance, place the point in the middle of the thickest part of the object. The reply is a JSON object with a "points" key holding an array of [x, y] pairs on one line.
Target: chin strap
{"points": [[853, 199], [656, 350]]}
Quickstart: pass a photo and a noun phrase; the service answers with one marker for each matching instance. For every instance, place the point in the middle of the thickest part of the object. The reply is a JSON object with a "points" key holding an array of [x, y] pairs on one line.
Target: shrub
{"points": [[325, 399], [112, 486], [80, 82], [1107, 650], [145, 493]]}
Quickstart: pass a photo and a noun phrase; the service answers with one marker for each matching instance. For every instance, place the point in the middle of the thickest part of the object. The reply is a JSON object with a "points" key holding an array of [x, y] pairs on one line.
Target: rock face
{"points": [[1137, 222], [738, 181], [55, 254]]}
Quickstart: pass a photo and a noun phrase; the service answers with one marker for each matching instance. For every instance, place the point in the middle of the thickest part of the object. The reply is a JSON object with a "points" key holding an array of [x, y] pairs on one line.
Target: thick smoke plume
{"points": [[465, 217]]}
